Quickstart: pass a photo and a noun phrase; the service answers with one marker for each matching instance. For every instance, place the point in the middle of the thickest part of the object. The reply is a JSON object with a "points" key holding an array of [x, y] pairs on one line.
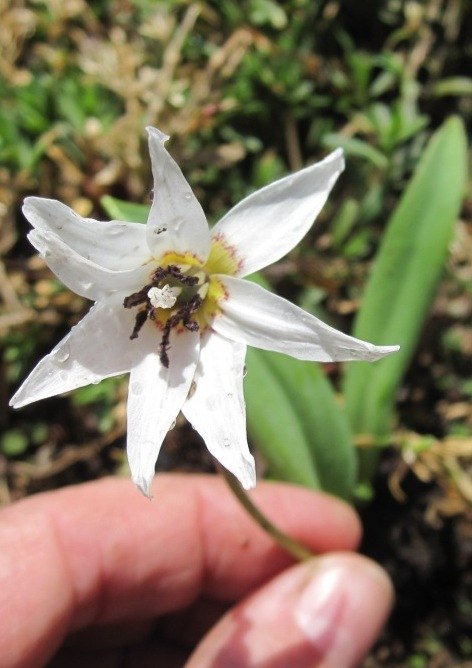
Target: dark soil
{"points": [[430, 565]]}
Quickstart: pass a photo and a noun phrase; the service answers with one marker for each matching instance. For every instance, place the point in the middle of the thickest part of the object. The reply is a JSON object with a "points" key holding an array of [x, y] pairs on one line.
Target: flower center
{"points": [[171, 298]]}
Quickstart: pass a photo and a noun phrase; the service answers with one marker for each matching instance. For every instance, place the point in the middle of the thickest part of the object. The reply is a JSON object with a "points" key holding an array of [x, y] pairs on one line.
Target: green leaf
{"points": [[13, 443], [274, 426], [322, 420], [404, 278], [356, 148], [453, 86], [121, 210]]}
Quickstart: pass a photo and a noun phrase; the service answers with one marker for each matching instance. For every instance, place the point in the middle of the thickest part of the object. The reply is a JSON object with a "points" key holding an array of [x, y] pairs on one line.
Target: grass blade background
{"points": [[322, 420], [127, 211], [274, 425], [404, 278]]}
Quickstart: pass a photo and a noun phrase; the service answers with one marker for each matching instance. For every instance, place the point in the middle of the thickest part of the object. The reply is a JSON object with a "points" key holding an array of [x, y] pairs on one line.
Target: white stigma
{"points": [[164, 297]]}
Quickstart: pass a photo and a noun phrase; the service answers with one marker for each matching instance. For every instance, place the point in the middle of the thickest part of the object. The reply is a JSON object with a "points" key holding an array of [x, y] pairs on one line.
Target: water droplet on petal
{"points": [[62, 355], [188, 196], [136, 388], [244, 371], [178, 222], [173, 425], [63, 376], [226, 442]]}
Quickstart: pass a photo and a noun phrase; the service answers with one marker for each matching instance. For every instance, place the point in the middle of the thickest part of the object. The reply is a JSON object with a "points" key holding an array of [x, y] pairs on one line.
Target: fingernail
{"points": [[342, 610]]}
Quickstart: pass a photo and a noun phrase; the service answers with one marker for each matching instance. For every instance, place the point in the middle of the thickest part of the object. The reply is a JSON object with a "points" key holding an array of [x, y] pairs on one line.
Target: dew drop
{"points": [[244, 371], [160, 229], [173, 425], [188, 196], [62, 355], [178, 222], [226, 442], [63, 376], [95, 381], [136, 388], [115, 230]]}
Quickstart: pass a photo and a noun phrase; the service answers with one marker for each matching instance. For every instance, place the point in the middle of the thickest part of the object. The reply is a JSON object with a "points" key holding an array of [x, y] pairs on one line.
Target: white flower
{"points": [[171, 307]]}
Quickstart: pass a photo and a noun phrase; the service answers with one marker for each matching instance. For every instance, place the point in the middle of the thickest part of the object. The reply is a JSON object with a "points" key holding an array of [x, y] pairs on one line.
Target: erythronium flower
{"points": [[171, 307]]}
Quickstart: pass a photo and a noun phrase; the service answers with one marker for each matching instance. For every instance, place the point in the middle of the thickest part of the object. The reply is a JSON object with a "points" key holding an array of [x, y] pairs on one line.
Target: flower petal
{"points": [[259, 318], [113, 245], [267, 224], [176, 221], [156, 395], [96, 348], [83, 276], [216, 408]]}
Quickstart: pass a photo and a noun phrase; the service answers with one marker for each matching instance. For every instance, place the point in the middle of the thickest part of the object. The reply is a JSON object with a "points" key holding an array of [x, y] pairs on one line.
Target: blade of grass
{"points": [[322, 419], [274, 426], [404, 278]]}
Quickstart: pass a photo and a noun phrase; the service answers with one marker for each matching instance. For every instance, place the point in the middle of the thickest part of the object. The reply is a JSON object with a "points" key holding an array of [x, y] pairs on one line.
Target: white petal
{"points": [[259, 318], [156, 395], [83, 276], [216, 406], [96, 348], [176, 221], [267, 224], [113, 245]]}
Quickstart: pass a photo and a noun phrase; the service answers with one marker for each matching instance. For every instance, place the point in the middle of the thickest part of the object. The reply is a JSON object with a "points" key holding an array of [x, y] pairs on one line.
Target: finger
{"points": [[325, 613], [101, 553]]}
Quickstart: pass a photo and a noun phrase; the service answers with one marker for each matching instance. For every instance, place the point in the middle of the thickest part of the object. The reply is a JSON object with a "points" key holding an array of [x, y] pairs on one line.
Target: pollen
{"points": [[163, 297]]}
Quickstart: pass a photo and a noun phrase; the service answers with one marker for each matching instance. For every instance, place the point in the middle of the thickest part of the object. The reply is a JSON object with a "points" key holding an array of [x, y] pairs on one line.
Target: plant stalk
{"points": [[290, 545]]}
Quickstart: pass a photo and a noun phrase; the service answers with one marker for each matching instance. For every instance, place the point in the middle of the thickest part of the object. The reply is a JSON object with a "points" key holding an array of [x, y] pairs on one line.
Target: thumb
{"points": [[325, 613]]}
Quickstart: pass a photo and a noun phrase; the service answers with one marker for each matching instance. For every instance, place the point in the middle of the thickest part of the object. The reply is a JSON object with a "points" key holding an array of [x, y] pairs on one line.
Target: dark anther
{"points": [[174, 271], [141, 317], [137, 298], [164, 345], [183, 314], [191, 325]]}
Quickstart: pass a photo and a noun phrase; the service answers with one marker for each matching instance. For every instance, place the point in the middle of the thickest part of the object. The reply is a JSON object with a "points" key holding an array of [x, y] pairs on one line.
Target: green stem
{"points": [[294, 548]]}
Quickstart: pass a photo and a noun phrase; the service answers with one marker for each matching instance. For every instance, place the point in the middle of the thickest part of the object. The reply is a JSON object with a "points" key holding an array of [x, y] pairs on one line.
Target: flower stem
{"points": [[290, 545]]}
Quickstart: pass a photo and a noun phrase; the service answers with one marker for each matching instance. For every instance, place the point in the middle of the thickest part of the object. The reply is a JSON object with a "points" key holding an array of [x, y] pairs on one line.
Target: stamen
{"points": [[174, 271], [141, 317], [137, 297], [154, 297], [183, 314]]}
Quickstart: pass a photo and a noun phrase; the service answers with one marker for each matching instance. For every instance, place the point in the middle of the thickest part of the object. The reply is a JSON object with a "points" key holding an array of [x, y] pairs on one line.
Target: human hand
{"points": [[96, 575]]}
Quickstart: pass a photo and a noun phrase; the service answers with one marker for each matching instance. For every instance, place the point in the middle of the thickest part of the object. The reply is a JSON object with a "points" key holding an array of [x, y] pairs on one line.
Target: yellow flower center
{"points": [[182, 293]]}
